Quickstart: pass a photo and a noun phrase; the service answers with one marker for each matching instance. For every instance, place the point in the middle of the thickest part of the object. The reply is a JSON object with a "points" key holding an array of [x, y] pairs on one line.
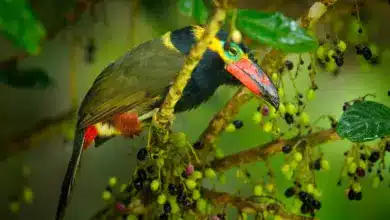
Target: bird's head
{"points": [[237, 62]]}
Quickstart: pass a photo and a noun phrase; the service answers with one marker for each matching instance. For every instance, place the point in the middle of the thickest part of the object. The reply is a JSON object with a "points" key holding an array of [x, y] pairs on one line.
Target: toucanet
{"points": [[128, 91]]}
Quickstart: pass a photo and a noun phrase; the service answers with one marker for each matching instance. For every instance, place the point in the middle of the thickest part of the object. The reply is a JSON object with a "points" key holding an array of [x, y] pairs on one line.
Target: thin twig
{"points": [[262, 152]]}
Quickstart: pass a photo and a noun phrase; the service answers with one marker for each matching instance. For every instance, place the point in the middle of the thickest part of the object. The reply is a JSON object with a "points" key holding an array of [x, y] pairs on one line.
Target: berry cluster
{"points": [[27, 195], [331, 55], [307, 197]]}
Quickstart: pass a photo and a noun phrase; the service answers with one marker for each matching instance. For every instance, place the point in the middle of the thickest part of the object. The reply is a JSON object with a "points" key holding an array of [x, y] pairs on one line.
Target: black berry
{"points": [[186, 203], [305, 208], [367, 54], [360, 30], [301, 62], [167, 207], [388, 93], [150, 169], [374, 157], [363, 157], [286, 149], [358, 196], [289, 118], [221, 216], [387, 147], [198, 145], [142, 153], [300, 95], [345, 106], [289, 64], [289, 192], [351, 194], [303, 196], [238, 124], [172, 189], [359, 49], [339, 61], [180, 198], [317, 164], [327, 59], [360, 172], [138, 183], [316, 204], [141, 174], [163, 217], [309, 67]]}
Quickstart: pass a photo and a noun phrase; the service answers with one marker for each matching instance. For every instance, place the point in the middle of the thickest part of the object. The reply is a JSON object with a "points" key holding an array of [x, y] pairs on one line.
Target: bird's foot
{"points": [[128, 124]]}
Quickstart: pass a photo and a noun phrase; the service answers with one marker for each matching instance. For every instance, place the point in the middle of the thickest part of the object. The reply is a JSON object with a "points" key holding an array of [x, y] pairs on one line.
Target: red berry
{"points": [[265, 110], [190, 169], [360, 172]]}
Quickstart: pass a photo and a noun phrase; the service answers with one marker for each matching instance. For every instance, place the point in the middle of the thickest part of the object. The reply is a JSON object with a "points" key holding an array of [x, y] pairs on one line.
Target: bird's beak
{"points": [[252, 76]]}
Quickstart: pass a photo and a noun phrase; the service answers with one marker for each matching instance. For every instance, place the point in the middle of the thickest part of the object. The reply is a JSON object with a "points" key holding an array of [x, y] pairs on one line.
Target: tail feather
{"points": [[69, 180]]}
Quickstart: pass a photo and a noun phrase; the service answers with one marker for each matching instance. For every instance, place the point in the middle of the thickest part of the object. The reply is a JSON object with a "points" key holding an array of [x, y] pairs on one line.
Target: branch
{"points": [[272, 61], [264, 151], [37, 133], [164, 117], [249, 206]]}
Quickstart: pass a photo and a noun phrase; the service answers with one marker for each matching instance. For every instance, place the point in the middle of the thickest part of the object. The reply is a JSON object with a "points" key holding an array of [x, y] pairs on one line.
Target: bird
{"points": [[126, 94]]}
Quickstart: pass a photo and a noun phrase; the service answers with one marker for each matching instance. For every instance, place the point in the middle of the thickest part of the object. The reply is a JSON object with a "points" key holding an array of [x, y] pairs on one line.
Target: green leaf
{"points": [[18, 23], [364, 121], [33, 78], [276, 30], [195, 9]]}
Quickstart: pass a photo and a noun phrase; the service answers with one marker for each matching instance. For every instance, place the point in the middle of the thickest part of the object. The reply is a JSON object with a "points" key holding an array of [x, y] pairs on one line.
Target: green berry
{"points": [[304, 118], [289, 174], [244, 216], [324, 164], [272, 112], [270, 187], [310, 188], [280, 92], [210, 173], [352, 167], [161, 199], [191, 184], [197, 175], [179, 139], [291, 109], [362, 164], [267, 127], [293, 164], [356, 187], [375, 182], [257, 116], [277, 217], [160, 162], [342, 46], [219, 153], [106, 195], [282, 108], [321, 50], [230, 128], [195, 194], [298, 156], [201, 205], [331, 53], [123, 187], [154, 185], [112, 181], [349, 159], [14, 207], [311, 94], [285, 168], [258, 190], [274, 77], [28, 195], [331, 66], [174, 207], [131, 217]]}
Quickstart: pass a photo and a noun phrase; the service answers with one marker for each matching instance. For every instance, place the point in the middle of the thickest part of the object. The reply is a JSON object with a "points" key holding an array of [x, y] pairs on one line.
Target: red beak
{"points": [[252, 76]]}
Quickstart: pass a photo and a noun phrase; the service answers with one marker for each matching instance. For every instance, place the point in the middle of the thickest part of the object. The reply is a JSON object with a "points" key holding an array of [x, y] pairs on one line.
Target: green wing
{"points": [[134, 82]]}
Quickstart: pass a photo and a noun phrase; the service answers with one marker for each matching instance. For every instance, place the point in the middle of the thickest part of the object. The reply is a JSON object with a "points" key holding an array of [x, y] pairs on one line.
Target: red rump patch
{"points": [[90, 134], [128, 124]]}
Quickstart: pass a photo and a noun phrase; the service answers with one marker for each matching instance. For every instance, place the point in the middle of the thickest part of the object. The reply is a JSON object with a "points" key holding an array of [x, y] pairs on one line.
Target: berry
{"points": [[282, 108], [360, 172], [388, 93], [120, 207], [286, 149], [161, 199], [374, 157], [366, 52], [291, 109], [150, 169], [342, 46], [265, 110], [316, 204], [197, 175], [305, 208], [230, 128], [238, 124], [142, 153], [345, 106], [298, 156], [190, 169], [317, 164], [289, 118], [301, 62], [172, 189], [324, 164], [106, 195], [141, 174], [167, 207], [304, 118], [257, 116], [280, 92], [154, 185], [258, 190], [356, 187], [191, 184], [138, 183], [112, 181], [321, 52], [310, 94], [303, 196], [210, 173], [219, 153], [267, 127], [160, 162], [387, 147], [274, 77], [289, 192], [359, 49], [163, 217], [360, 30], [195, 194], [289, 64], [358, 196], [14, 207], [351, 194], [198, 145], [339, 61], [375, 182]]}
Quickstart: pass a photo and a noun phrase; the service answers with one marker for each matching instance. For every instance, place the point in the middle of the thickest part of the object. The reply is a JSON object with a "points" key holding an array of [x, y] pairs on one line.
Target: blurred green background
{"points": [[120, 26]]}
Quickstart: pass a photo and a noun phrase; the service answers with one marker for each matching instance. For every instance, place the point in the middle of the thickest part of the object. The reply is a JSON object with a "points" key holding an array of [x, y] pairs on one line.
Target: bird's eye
{"points": [[232, 51]]}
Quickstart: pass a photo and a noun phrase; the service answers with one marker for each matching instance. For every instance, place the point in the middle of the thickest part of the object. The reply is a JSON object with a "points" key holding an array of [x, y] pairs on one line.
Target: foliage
{"points": [[270, 28], [34, 78], [364, 121], [20, 25]]}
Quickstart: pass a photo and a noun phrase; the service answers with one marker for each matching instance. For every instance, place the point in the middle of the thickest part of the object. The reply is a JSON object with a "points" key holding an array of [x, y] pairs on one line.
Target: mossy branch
{"points": [[262, 152], [164, 117]]}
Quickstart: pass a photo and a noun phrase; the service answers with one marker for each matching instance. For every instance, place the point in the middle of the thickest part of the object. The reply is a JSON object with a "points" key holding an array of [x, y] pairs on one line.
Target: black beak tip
{"points": [[274, 101]]}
